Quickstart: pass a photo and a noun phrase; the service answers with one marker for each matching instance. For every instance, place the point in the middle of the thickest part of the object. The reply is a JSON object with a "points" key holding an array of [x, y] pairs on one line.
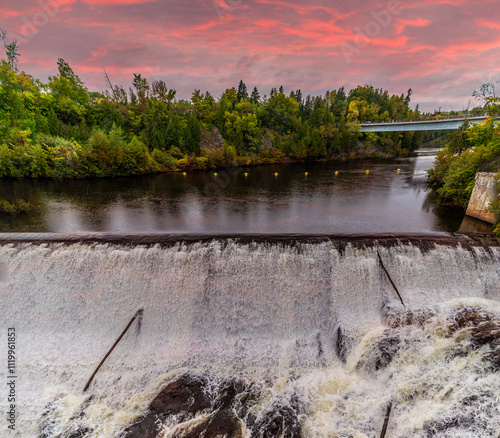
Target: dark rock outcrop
{"points": [[282, 421], [184, 397], [484, 329], [221, 424]]}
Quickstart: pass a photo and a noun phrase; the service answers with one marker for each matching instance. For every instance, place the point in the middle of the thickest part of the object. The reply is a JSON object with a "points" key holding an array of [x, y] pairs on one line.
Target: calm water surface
{"points": [[252, 200]]}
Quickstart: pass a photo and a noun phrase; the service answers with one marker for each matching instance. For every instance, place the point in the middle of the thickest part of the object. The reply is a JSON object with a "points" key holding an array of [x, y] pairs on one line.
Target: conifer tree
{"points": [[255, 97], [242, 91]]}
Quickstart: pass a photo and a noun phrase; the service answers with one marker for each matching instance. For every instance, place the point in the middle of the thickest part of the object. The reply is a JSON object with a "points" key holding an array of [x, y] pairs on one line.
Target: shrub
{"points": [[164, 160], [16, 207]]}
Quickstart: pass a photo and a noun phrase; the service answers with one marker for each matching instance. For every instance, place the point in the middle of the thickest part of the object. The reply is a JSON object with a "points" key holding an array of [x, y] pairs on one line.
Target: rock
{"points": [[184, 397], [226, 393], [81, 433], [211, 139], [409, 317], [340, 345], [467, 317], [484, 329], [148, 427], [457, 425], [282, 421], [221, 424], [381, 352], [388, 346]]}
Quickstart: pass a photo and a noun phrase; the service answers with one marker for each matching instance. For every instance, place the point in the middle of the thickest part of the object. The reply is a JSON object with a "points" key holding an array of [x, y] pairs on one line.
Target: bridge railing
{"points": [[425, 119]]}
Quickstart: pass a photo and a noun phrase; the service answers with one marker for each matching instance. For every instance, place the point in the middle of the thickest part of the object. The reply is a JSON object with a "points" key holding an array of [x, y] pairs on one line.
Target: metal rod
{"points": [[386, 420], [390, 279], [138, 313]]}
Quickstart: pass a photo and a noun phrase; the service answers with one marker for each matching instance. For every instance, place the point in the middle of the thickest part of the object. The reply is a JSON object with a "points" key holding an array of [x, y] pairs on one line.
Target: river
{"points": [[266, 199]]}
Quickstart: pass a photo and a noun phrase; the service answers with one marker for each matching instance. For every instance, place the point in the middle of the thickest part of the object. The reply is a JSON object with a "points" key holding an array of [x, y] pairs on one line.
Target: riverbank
{"points": [[475, 149], [112, 156]]}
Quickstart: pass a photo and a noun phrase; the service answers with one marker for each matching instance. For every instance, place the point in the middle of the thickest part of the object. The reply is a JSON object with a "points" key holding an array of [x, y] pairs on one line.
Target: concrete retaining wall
{"points": [[484, 192]]}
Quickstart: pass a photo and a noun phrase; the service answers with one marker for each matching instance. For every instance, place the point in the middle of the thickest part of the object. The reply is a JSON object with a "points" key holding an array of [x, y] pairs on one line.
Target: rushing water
{"points": [[258, 202], [315, 327]]}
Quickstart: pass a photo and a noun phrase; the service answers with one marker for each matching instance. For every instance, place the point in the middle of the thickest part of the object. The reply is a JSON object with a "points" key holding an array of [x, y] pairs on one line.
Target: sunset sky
{"points": [[441, 49]]}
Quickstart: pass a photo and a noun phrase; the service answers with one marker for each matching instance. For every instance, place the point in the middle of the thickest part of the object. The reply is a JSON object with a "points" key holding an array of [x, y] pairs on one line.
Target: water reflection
{"points": [[232, 202]]}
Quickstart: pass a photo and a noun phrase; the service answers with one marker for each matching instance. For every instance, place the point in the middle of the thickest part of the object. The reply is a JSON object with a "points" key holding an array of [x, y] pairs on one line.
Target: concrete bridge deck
{"points": [[437, 124]]}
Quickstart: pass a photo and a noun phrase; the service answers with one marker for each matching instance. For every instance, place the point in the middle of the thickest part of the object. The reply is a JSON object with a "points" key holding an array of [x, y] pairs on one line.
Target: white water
{"points": [[266, 313]]}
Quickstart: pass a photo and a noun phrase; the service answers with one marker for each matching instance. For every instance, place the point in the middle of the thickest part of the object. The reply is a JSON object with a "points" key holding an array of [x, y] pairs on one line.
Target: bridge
{"points": [[434, 124]]}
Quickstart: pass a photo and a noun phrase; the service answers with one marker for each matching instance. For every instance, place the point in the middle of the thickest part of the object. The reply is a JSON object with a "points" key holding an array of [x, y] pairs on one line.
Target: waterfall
{"points": [[314, 322]]}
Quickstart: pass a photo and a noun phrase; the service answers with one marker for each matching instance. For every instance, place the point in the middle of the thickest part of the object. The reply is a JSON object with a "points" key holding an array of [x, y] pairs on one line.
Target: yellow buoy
{"points": [[184, 173], [276, 174], [306, 173], [399, 170], [246, 174], [367, 172], [215, 173], [336, 172]]}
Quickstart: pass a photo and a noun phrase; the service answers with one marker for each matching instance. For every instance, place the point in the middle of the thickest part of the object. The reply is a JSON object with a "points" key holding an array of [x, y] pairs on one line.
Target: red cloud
{"points": [[417, 22], [209, 44], [487, 23], [116, 2]]}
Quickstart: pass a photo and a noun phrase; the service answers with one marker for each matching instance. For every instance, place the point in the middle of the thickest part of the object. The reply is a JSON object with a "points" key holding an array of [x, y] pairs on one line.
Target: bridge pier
{"points": [[483, 193]]}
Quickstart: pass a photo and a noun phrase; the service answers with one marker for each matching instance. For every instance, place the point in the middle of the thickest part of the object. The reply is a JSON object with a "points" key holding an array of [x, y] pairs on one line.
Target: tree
{"points": [[197, 97], [255, 96], [71, 98], [192, 135], [408, 97], [174, 131], [298, 98], [230, 95], [11, 50], [487, 96], [142, 87], [68, 84], [171, 96], [242, 91], [159, 91]]}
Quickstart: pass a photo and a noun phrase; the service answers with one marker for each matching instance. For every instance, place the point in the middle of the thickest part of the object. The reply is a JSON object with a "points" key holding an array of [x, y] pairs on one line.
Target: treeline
{"points": [[60, 129], [470, 150]]}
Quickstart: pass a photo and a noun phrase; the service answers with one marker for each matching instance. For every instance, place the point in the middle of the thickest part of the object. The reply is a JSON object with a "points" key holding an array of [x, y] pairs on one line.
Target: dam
{"points": [[310, 327]]}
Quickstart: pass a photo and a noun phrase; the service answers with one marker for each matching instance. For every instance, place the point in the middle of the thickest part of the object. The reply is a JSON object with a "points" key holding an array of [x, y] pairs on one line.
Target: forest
{"points": [[60, 129]]}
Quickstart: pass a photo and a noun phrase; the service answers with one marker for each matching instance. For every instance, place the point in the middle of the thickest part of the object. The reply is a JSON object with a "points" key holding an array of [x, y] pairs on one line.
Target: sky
{"points": [[442, 49]]}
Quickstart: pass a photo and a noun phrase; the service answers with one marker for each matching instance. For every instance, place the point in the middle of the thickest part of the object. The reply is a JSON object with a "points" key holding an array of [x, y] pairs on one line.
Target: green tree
{"points": [[487, 96], [141, 87], [255, 97], [71, 99], [11, 50], [192, 135], [242, 91]]}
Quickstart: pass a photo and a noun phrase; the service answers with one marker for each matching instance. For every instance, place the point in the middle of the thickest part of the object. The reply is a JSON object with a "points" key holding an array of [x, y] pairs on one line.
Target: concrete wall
{"points": [[484, 192]]}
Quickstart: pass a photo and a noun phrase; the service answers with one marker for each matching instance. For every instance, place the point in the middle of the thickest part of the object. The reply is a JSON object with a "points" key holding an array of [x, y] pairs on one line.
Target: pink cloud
{"points": [[116, 2], [417, 22], [207, 45]]}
